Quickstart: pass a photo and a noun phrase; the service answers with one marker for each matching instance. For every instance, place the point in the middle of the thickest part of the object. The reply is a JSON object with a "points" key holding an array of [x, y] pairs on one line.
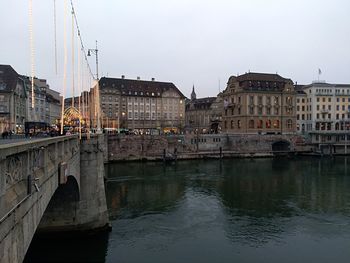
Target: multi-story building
{"points": [[53, 106], [198, 113], [327, 112], [259, 103], [12, 100], [216, 110], [302, 110], [38, 113], [140, 105]]}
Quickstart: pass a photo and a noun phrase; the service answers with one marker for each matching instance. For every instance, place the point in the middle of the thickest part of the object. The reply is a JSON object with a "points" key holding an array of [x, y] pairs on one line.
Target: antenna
{"points": [[219, 86]]}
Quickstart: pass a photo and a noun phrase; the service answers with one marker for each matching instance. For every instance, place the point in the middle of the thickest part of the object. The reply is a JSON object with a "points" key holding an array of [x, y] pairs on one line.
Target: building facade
{"points": [[327, 112], [146, 106], [12, 100], [198, 114], [54, 104], [259, 103], [302, 110]]}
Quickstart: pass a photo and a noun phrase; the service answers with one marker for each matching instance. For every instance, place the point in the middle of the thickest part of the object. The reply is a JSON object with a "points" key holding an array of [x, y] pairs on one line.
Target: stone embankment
{"points": [[164, 147]]}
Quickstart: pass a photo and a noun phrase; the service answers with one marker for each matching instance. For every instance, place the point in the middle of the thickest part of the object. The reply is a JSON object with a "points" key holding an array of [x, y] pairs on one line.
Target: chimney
{"points": [[138, 78], [153, 79], [123, 76]]}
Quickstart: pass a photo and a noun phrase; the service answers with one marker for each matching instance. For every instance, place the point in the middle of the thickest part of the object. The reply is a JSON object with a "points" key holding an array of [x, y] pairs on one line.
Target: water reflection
{"points": [[249, 210]]}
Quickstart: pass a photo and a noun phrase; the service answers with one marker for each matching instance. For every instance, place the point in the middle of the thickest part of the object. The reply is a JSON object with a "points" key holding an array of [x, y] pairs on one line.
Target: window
{"points": [[268, 124], [260, 124], [276, 124], [232, 124], [251, 124], [239, 124], [289, 124]]}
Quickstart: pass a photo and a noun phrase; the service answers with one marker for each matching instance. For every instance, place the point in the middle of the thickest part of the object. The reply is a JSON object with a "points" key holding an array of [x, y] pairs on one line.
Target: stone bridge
{"points": [[53, 184]]}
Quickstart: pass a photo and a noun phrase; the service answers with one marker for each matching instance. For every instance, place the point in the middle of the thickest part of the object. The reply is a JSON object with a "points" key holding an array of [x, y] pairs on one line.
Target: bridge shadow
{"points": [[72, 248]]}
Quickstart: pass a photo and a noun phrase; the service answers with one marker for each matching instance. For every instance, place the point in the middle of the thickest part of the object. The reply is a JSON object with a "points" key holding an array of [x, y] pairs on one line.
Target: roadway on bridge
{"points": [[22, 139]]}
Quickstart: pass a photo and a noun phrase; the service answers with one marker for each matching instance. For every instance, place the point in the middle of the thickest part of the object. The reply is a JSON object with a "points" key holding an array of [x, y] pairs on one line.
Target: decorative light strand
{"points": [[73, 59], [55, 33], [65, 61], [32, 55]]}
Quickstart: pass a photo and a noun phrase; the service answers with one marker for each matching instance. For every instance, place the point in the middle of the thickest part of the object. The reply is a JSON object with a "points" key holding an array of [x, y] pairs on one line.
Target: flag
{"points": [[319, 72]]}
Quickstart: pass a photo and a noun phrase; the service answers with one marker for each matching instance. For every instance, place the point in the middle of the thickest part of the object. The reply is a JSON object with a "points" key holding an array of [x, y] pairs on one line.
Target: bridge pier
{"points": [[80, 206]]}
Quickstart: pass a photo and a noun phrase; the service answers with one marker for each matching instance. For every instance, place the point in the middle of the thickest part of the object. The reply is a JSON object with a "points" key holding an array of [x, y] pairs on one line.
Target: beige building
{"points": [[12, 100], [216, 110], [146, 106], [259, 103]]}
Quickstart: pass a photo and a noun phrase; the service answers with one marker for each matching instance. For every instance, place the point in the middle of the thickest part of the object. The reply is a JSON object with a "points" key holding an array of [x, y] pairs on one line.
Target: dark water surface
{"points": [[263, 210]]}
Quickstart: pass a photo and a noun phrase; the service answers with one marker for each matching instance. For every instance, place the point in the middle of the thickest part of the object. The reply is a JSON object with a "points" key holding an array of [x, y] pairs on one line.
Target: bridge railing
{"points": [[26, 165]]}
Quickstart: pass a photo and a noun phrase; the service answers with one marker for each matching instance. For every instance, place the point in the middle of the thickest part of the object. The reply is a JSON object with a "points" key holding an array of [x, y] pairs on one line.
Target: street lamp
{"points": [[95, 52]]}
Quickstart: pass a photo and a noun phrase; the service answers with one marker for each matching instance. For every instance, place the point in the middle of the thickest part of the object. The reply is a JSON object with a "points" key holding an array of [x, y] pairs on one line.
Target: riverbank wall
{"points": [[122, 147]]}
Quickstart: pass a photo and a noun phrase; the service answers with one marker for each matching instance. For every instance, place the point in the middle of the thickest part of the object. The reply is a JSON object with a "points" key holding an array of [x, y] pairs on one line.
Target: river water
{"points": [[239, 210]]}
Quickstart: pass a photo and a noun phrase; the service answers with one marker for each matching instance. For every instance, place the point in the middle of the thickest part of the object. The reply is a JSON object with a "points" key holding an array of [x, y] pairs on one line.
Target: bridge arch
{"points": [[63, 207]]}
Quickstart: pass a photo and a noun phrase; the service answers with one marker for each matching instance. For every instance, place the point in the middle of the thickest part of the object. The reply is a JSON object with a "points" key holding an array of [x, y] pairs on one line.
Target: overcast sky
{"points": [[200, 42]]}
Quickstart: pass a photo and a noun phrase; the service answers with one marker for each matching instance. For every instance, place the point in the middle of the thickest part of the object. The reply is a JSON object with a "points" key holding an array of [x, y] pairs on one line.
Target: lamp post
{"points": [[95, 52]]}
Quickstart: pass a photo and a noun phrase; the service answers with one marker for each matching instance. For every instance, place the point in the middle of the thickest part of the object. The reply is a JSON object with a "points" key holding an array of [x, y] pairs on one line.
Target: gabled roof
{"points": [[131, 86], [204, 100], [8, 78]]}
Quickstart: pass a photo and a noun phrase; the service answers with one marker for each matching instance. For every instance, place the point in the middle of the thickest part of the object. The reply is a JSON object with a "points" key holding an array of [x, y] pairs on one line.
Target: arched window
{"points": [[232, 124], [276, 124], [239, 124], [260, 124], [251, 124]]}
